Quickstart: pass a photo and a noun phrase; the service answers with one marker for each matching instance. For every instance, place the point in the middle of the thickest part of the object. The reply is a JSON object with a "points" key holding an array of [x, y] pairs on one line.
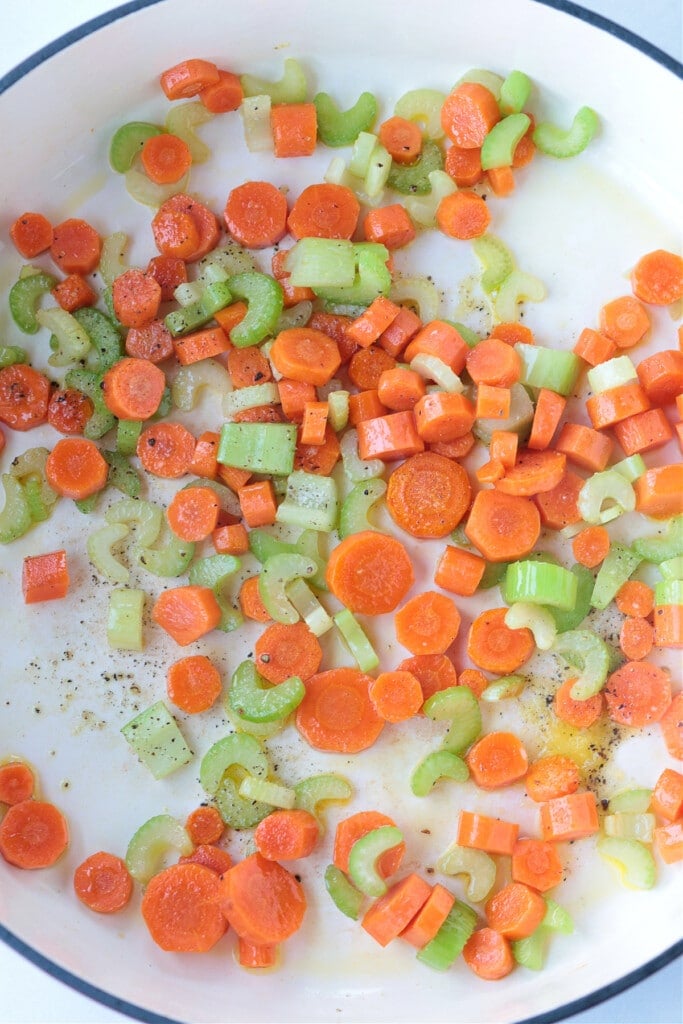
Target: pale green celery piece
{"points": [[309, 607], [12, 354], [126, 144], [523, 614], [308, 544], [418, 292], [338, 404], [230, 257], [255, 114], [413, 179], [584, 650], [188, 293], [358, 470], [519, 421], [619, 566], [259, 730], [237, 811], [356, 640], [424, 107], [517, 287], [500, 143], [182, 120], [258, 447], [112, 263], [264, 298], [311, 502], [264, 791], [494, 573], [263, 544], [448, 943], [672, 568], [145, 516], [314, 793], [150, 844], [252, 698], [341, 127], [497, 260], [434, 369], [489, 79], [344, 895], [544, 367], [99, 546], [458, 706], [605, 496], [278, 571], [124, 621], [629, 825], [295, 316], [338, 173], [321, 263], [634, 801], [24, 296], [611, 374], [668, 592], [214, 571], [631, 468], [249, 397], [440, 764], [234, 750], [506, 687], [15, 518], [360, 154], [372, 276], [540, 583], [377, 173], [572, 619], [633, 860], [364, 855], [191, 380], [140, 188], [29, 469], [470, 337], [662, 547], [168, 559], [514, 93], [156, 739], [127, 434], [479, 867], [422, 209], [70, 341], [530, 952], [356, 507], [562, 143], [557, 918], [291, 88]]}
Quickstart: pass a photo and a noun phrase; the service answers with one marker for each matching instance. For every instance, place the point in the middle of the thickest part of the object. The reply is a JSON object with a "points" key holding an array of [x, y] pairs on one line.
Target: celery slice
{"points": [[344, 895], [540, 583], [632, 859], [235, 749], [277, 572], [151, 842], [609, 487], [182, 120], [423, 106], [258, 447], [514, 93], [497, 260], [127, 434], [525, 614], [168, 559], [519, 286], [69, 342], [419, 292], [356, 507], [112, 263], [338, 402], [413, 179], [264, 298], [267, 792], [363, 147], [255, 114], [585, 650], [440, 764], [295, 316], [423, 208], [358, 470], [662, 547], [561, 143], [99, 547], [364, 856], [310, 502], [572, 618], [309, 607], [321, 263], [291, 88], [230, 257], [124, 621], [506, 687], [458, 706], [611, 374], [239, 812], [213, 572], [489, 79], [121, 474], [249, 397], [145, 191], [669, 592], [15, 518], [341, 127], [477, 865], [371, 278], [634, 801], [549, 368], [145, 516], [24, 296], [619, 566], [557, 918], [448, 943], [629, 825], [251, 698], [263, 544], [156, 739], [356, 640], [127, 142], [90, 384], [207, 374], [106, 343], [432, 368], [500, 143], [530, 952], [377, 173], [315, 792], [12, 354]]}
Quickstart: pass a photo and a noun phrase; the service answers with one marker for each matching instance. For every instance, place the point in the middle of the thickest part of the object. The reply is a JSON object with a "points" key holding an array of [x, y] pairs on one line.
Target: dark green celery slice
{"points": [[413, 179], [342, 127]]}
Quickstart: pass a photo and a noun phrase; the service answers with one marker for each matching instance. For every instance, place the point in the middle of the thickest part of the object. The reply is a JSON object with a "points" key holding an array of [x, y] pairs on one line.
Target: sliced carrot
{"points": [[515, 911], [318, 458], [285, 649], [468, 114], [133, 388], [44, 577], [428, 623], [434, 672], [396, 695], [463, 215], [440, 339], [594, 348], [169, 272], [69, 410], [637, 694], [204, 462], [495, 647], [204, 825], [615, 404], [430, 917], [324, 211], [559, 507], [352, 828], [367, 365], [474, 680], [504, 527], [287, 835], [667, 795], [536, 864], [547, 415], [74, 293], [367, 327], [501, 180], [230, 316], [635, 598], [512, 333], [580, 714], [497, 759], [224, 95], [493, 403], [250, 601], [294, 395], [492, 470], [76, 246], [643, 432], [668, 626], [488, 954], [165, 158], [181, 906], [625, 320], [32, 234], [657, 278], [459, 571], [256, 955], [166, 449], [661, 375], [17, 782], [209, 856], [262, 900], [184, 227], [552, 776], [503, 447], [370, 572], [493, 361], [584, 446], [392, 913], [187, 613], [400, 389], [295, 129], [668, 841], [428, 495], [24, 396], [337, 714], [390, 226], [257, 503], [671, 724], [659, 492], [533, 473], [401, 138], [188, 78], [103, 883], [75, 468], [193, 684], [314, 423], [481, 832], [366, 405], [304, 354], [591, 546], [574, 816], [443, 416], [152, 342], [464, 166], [231, 539], [334, 325], [400, 332], [33, 835]]}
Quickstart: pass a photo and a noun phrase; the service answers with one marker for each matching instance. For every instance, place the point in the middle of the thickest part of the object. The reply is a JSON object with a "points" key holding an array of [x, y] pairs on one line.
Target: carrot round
{"points": [[103, 883], [32, 234], [671, 724], [166, 158], [474, 680], [75, 468], [559, 507], [434, 672], [468, 115], [495, 647], [204, 825], [443, 416], [199, 233], [76, 246], [569, 817], [166, 449], [318, 458], [497, 759], [428, 623], [187, 613], [324, 211], [536, 863], [193, 684], [224, 95], [33, 834], [256, 214], [262, 901], [24, 397], [625, 320], [464, 166], [401, 138], [136, 296], [132, 389], [370, 572], [188, 78], [487, 953], [636, 638], [193, 513], [209, 856], [304, 354], [591, 546], [657, 278], [551, 776], [351, 829], [533, 473], [168, 272], [73, 293], [69, 410], [635, 598], [495, 362], [337, 714], [17, 782], [580, 714], [481, 832], [250, 601], [366, 366], [428, 495], [181, 907], [515, 911], [463, 215], [504, 527], [429, 918], [285, 649], [396, 695], [287, 835], [637, 694]]}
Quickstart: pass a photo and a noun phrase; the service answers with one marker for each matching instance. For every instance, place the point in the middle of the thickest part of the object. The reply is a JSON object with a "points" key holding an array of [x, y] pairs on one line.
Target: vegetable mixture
{"points": [[355, 430]]}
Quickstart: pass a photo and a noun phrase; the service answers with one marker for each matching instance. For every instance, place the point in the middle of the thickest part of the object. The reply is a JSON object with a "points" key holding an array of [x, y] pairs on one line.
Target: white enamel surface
{"points": [[579, 226]]}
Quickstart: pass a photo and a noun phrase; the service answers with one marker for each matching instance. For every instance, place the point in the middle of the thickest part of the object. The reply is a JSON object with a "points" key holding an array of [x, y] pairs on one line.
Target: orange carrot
{"points": [[262, 901], [481, 832], [103, 883], [400, 389], [591, 546], [136, 296], [392, 913], [256, 955], [559, 507], [580, 714], [257, 503], [184, 227], [547, 415], [17, 782], [584, 446], [401, 138], [187, 613], [474, 680], [287, 835], [209, 856], [204, 344], [659, 492], [390, 226], [324, 211], [503, 447], [504, 527], [625, 320], [495, 647], [569, 817], [295, 129], [434, 672], [152, 342], [169, 272], [552, 776], [643, 432], [365, 405], [667, 795], [671, 724], [459, 571], [661, 376], [429, 918], [367, 327], [204, 825], [533, 473], [668, 841], [33, 834], [231, 539], [440, 339], [193, 684], [165, 158], [75, 468], [615, 404], [188, 78], [74, 293], [44, 577], [293, 294], [334, 325], [294, 395], [487, 953], [501, 180], [32, 234], [230, 316], [428, 495], [69, 410], [314, 423], [396, 695], [536, 864], [181, 906], [468, 115], [593, 347], [337, 714], [497, 759], [370, 572], [657, 278], [133, 388], [318, 458], [304, 354], [367, 365], [492, 470], [635, 598], [285, 649], [525, 150], [637, 694], [463, 215], [76, 246], [351, 829], [428, 623], [464, 166], [166, 449], [515, 911], [400, 332], [493, 361], [512, 333], [456, 449], [668, 626], [250, 601], [204, 461], [493, 403], [224, 95]]}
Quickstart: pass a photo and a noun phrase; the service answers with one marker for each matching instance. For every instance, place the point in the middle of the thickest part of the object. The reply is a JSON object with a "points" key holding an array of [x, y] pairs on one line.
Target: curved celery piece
{"points": [[190, 380], [69, 342], [413, 179], [263, 544], [249, 397], [295, 316], [127, 142], [500, 143], [440, 764], [561, 143], [212, 572], [618, 567], [151, 842], [423, 209], [344, 895], [633, 801], [419, 292], [291, 88], [377, 173], [372, 276], [662, 547], [168, 560], [573, 617], [520, 418], [264, 297], [479, 867], [233, 750], [341, 127], [585, 651], [259, 730], [112, 263], [524, 614], [358, 470], [364, 855], [530, 952], [496, 258], [99, 547], [15, 518], [355, 509], [505, 688], [557, 919], [230, 257], [144, 515], [277, 572], [308, 544], [540, 583], [124, 619], [489, 79], [156, 739], [458, 706], [12, 354], [517, 287], [90, 383], [318, 790], [634, 860], [24, 296], [632, 467], [309, 607], [514, 93], [237, 811], [197, 313], [362, 150], [140, 188], [606, 486], [106, 343], [255, 114], [251, 698], [470, 337], [121, 474], [266, 792], [29, 469], [434, 369], [356, 640], [448, 943], [182, 120], [629, 825], [424, 107]]}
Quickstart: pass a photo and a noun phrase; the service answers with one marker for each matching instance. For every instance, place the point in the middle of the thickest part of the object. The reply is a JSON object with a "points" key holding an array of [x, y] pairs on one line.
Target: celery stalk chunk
{"points": [[629, 825], [371, 277], [423, 106], [342, 127], [506, 687], [672, 568], [309, 607], [585, 650], [169, 558], [265, 300], [530, 952], [356, 640], [264, 791], [573, 617], [540, 583], [263, 544], [633, 860], [251, 698], [477, 865], [611, 374], [258, 447], [106, 343], [631, 468], [321, 263], [561, 143], [364, 855], [413, 179], [440, 764], [448, 943], [150, 844], [234, 756], [557, 919], [11, 354], [669, 592], [535, 617], [500, 143], [15, 518], [310, 502], [357, 505], [344, 895], [458, 706], [632, 801], [315, 792], [156, 739], [357, 469], [619, 566], [514, 92], [496, 259], [124, 621], [90, 383], [99, 547], [661, 547], [549, 368], [182, 120], [605, 496], [277, 572]]}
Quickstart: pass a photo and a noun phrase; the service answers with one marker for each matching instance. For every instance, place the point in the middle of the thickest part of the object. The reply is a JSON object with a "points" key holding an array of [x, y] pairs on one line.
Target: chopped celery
{"points": [[584, 650], [90, 383], [70, 342], [144, 515], [12, 354], [357, 469], [318, 790], [106, 344], [310, 502], [363, 147], [255, 114], [309, 607], [182, 119], [112, 263], [338, 403], [277, 572], [530, 952], [458, 706], [611, 374], [15, 518], [230, 257], [662, 547], [321, 263], [258, 447], [355, 509], [262, 545], [609, 487], [263, 791], [514, 92], [378, 171], [500, 143], [24, 296], [669, 592], [479, 867], [122, 475], [237, 811], [631, 468], [550, 368], [526, 614], [629, 825], [291, 88], [344, 895], [496, 258], [540, 583], [143, 190], [561, 143], [618, 567], [236, 749], [127, 434], [448, 943], [371, 278], [191, 380], [341, 127], [264, 297], [417, 292], [156, 739], [29, 469], [518, 287], [633, 860], [294, 316], [423, 106], [150, 844], [432, 368], [249, 398], [557, 919], [413, 179], [356, 640], [507, 686], [573, 617], [470, 337], [440, 764], [168, 559], [99, 547], [127, 142], [672, 568], [634, 801], [494, 573], [489, 79], [124, 621], [365, 854], [251, 698], [213, 572], [423, 208]]}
